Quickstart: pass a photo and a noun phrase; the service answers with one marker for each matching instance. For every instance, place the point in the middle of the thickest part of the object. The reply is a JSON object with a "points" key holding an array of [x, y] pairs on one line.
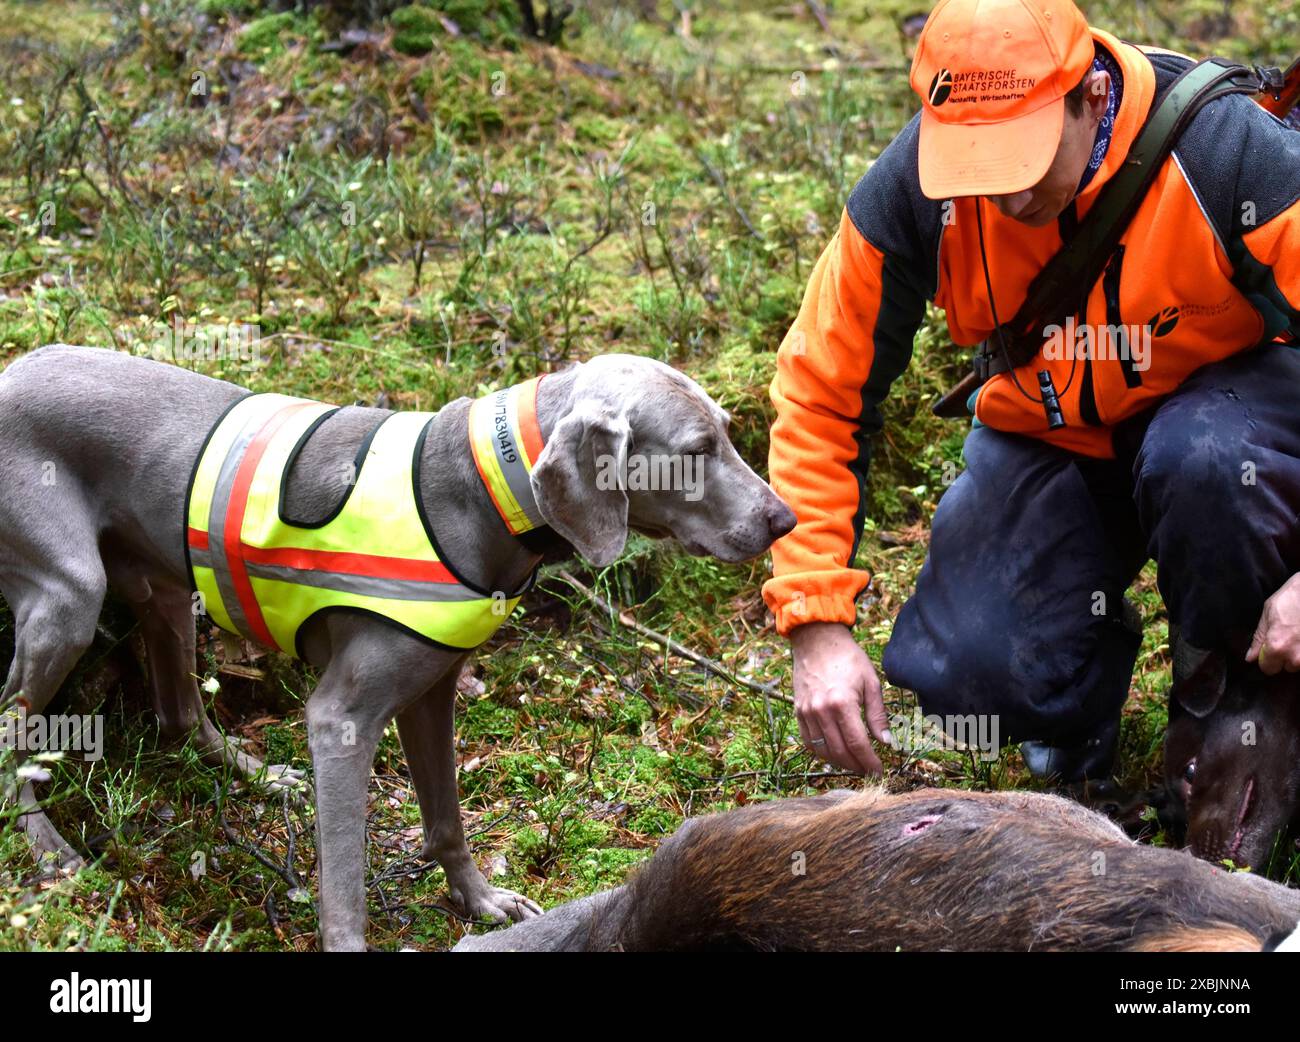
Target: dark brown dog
{"points": [[1232, 755]]}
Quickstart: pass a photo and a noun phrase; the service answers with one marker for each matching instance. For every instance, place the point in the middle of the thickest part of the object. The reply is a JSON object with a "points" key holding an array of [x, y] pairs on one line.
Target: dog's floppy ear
{"points": [[1200, 676], [578, 484]]}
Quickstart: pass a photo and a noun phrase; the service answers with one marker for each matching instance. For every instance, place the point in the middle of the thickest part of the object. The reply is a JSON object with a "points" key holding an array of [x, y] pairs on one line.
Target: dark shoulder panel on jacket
{"points": [[892, 214], [1242, 162]]}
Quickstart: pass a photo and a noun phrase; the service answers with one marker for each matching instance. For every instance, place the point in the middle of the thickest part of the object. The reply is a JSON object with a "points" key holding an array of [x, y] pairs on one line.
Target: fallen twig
{"points": [[819, 13], [670, 645], [284, 871], [680, 693], [806, 775], [721, 182]]}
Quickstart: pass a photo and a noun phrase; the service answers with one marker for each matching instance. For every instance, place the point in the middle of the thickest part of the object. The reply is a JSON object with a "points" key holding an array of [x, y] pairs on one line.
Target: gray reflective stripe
{"points": [[220, 564], [516, 474], [345, 582], [366, 585]]}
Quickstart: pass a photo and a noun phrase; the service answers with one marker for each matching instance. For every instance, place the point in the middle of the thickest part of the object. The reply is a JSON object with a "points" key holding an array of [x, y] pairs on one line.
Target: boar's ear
{"points": [[1200, 676], [1282, 941]]}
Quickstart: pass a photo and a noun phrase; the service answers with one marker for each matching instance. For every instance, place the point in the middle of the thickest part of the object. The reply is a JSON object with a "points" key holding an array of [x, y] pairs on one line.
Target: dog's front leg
{"points": [[362, 690], [427, 729]]}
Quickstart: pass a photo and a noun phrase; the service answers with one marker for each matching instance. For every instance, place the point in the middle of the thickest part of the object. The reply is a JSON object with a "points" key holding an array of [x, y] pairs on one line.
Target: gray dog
{"points": [[97, 452]]}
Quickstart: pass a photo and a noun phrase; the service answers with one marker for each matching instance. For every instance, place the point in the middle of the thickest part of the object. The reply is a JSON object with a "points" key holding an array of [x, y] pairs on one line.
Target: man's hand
{"points": [[833, 681], [1277, 637]]}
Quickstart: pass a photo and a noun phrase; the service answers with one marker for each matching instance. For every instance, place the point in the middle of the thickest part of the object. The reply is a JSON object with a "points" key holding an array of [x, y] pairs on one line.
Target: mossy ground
{"points": [[440, 207]]}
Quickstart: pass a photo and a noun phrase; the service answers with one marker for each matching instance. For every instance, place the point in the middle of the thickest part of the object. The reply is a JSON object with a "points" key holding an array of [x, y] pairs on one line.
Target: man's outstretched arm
{"points": [[851, 339]]}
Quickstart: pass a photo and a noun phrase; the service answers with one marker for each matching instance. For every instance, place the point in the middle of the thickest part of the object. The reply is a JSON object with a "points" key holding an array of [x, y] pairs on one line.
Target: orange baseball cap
{"points": [[992, 76]]}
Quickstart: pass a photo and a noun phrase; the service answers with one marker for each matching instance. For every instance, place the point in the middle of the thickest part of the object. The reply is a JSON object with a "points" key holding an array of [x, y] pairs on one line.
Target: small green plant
{"points": [[242, 228], [421, 190], [666, 237], [338, 236], [58, 308], [147, 256]]}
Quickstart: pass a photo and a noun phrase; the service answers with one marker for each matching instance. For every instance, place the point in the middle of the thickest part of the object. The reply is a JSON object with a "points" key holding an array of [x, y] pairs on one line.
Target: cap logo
{"points": [[940, 87], [979, 85]]}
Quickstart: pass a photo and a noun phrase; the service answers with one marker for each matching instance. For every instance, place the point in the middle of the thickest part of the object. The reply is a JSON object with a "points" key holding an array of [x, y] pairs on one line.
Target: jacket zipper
{"points": [[1110, 287], [1088, 397], [1066, 225]]}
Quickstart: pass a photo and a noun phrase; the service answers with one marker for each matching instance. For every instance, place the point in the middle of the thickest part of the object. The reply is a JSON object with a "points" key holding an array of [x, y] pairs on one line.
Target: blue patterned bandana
{"points": [[1103, 62]]}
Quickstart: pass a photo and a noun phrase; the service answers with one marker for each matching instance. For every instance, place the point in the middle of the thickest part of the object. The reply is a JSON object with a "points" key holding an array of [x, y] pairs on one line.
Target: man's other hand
{"points": [[1276, 645]]}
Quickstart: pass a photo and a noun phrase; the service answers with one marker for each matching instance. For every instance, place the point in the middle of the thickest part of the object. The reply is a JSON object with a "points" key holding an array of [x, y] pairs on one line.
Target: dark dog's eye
{"points": [[1189, 772]]}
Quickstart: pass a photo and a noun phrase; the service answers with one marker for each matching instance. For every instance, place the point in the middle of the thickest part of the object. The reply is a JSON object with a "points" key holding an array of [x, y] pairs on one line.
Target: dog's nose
{"points": [[781, 520]]}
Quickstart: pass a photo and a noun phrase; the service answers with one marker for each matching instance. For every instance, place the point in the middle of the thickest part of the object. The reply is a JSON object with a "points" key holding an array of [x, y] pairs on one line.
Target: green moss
{"points": [[468, 60], [267, 36], [468, 14], [418, 26], [600, 868], [414, 29], [653, 820], [221, 8], [598, 130]]}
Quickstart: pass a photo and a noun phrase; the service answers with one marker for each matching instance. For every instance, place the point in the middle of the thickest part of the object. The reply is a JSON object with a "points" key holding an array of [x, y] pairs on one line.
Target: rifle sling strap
{"points": [[1079, 263]]}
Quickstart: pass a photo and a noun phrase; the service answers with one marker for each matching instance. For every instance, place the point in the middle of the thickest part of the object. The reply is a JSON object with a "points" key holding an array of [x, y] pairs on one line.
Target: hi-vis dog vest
{"points": [[262, 575]]}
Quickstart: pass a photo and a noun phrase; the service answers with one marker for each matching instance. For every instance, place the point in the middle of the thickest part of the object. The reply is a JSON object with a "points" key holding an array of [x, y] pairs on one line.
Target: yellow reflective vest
{"points": [[262, 575]]}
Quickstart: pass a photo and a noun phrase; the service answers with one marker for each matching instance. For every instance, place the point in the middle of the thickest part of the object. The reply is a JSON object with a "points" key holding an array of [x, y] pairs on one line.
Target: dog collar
{"points": [[506, 440]]}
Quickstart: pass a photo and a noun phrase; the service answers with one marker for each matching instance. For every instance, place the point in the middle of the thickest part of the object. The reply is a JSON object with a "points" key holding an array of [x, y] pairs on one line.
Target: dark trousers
{"points": [[1017, 609]]}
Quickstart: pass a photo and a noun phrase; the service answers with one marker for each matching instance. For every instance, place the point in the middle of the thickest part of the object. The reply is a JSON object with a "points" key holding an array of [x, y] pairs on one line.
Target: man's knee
{"points": [[1225, 444], [1218, 490], [1197, 464], [1017, 684]]}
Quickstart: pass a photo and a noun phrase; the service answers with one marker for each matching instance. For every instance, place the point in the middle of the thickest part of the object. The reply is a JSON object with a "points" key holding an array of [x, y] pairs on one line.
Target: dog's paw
{"points": [[280, 777], [54, 857], [496, 905], [277, 778], [51, 865]]}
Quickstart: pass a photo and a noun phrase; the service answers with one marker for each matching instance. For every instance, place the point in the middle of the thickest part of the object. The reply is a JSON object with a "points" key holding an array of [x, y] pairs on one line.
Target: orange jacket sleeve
{"points": [[1268, 265], [851, 339]]}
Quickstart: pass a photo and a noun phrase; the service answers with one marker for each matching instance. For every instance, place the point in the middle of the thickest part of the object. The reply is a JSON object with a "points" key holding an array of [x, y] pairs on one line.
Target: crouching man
{"points": [[1182, 445]]}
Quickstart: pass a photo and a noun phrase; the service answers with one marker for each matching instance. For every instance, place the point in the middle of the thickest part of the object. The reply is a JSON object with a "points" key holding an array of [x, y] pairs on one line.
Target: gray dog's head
{"points": [[643, 447]]}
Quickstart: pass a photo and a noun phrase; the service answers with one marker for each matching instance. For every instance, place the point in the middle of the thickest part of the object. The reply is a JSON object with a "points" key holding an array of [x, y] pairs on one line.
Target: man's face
{"points": [[1045, 201]]}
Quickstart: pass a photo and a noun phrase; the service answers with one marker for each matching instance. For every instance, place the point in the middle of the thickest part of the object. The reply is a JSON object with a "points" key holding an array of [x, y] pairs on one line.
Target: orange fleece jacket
{"points": [[1209, 266]]}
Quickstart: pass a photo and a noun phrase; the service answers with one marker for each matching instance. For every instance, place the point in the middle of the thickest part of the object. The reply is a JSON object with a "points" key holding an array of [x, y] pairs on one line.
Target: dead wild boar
{"points": [[934, 869]]}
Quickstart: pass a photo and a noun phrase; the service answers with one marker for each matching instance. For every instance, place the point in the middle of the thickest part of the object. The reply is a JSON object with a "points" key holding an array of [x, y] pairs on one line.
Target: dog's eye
{"points": [[1189, 772]]}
